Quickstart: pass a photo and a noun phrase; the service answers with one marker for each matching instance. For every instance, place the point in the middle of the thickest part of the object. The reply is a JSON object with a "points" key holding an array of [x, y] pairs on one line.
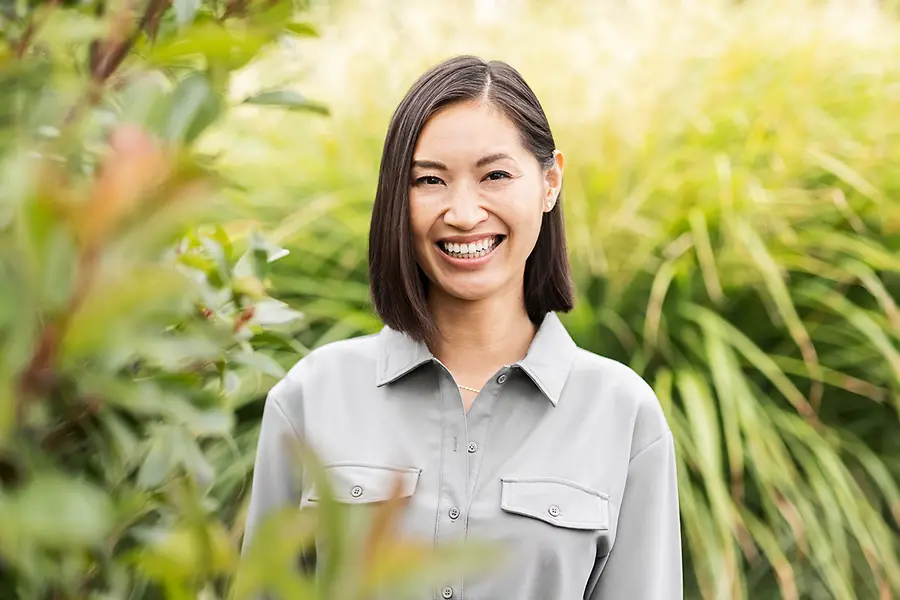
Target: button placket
{"points": [[453, 473]]}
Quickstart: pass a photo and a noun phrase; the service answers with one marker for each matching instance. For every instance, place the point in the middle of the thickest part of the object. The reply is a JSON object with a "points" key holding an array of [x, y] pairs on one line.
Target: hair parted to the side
{"points": [[397, 283]]}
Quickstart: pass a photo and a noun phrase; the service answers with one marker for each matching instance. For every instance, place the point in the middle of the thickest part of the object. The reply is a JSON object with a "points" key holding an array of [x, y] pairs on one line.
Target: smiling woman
{"points": [[469, 155], [561, 456]]}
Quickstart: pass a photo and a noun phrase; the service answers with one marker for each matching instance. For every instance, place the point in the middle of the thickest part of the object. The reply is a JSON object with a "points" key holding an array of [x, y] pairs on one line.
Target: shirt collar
{"points": [[547, 362]]}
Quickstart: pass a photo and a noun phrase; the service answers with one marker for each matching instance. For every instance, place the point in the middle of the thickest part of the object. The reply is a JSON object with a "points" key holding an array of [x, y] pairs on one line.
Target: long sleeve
{"points": [[645, 561], [276, 481]]}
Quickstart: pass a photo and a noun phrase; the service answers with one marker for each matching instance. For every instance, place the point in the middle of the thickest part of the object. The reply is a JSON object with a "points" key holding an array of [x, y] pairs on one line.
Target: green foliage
{"points": [[732, 205], [137, 335]]}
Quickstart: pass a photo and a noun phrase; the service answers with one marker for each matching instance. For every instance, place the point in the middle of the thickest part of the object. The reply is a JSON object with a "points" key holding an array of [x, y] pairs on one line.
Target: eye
{"points": [[497, 175], [428, 180]]}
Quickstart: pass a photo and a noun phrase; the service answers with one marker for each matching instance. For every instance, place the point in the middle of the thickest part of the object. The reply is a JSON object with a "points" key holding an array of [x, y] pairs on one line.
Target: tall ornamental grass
{"points": [[733, 206]]}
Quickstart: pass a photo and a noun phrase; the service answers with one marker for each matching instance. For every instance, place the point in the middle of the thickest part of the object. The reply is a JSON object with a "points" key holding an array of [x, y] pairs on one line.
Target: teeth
{"points": [[473, 250]]}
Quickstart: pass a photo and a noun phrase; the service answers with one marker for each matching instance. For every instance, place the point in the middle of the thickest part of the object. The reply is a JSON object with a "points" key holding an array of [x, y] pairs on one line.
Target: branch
{"points": [[32, 27], [234, 8], [107, 56], [114, 51], [37, 378]]}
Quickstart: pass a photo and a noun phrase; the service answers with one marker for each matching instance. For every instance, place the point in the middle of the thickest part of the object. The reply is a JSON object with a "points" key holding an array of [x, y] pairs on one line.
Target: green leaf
{"points": [[260, 363], [230, 47], [123, 445], [764, 536], [112, 312], [845, 173], [287, 99], [270, 556], [193, 106], [780, 295], [173, 446], [8, 399], [274, 16], [274, 312], [58, 512], [700, 408], [185, 10], [862, 320], [173, 352], [303, 29], [63, 28], [209, 423], [144, 96], [725, 372], [160, 461], [725, 331]]}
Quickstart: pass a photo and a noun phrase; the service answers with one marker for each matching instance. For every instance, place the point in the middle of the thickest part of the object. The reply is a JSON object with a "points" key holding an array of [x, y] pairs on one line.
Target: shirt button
{"points": [[447, 592], [472, 447], [553, 510], [356, 491], [454, 513], [502, 379]]}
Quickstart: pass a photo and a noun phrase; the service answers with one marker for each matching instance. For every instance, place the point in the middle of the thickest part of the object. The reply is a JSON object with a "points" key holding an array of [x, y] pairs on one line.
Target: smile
{"points": [[472, 250]]}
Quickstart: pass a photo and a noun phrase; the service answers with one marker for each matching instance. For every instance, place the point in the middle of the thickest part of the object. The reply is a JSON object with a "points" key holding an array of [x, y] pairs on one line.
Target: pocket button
{"points": [[553, 510], [356, 491]]}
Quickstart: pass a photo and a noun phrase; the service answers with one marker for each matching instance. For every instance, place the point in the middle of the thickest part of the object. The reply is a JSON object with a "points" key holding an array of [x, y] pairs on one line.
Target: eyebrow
{"points": [[429, 164], [485, 160], [492, 158]]}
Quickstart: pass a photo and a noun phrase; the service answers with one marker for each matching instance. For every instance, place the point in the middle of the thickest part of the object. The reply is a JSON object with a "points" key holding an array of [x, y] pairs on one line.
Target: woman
{"points": [[474, 395]]}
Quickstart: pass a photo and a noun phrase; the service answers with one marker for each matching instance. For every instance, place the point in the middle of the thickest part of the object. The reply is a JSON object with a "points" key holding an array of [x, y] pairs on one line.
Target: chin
{"points": [[469, 291]]}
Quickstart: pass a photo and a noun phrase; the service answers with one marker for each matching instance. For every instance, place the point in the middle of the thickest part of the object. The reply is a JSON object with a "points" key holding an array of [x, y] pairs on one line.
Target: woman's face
{"points": [[477, 199]]}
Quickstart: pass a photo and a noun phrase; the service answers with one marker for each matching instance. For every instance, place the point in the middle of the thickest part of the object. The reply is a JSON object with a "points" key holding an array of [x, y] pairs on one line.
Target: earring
{"points": [[549, 204]]}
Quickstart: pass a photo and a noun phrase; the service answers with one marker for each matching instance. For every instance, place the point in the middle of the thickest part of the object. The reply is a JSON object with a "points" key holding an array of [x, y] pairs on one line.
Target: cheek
{"points": [[418, 218], [525, 213], [421, 221]]}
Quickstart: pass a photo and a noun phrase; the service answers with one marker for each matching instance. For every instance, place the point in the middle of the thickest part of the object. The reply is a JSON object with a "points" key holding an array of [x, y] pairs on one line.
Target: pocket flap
{"points": [[359, 483], [556, 501]]}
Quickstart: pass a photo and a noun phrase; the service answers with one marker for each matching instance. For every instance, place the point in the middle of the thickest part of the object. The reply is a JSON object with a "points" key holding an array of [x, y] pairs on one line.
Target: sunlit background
{"points": [[732, 203]]}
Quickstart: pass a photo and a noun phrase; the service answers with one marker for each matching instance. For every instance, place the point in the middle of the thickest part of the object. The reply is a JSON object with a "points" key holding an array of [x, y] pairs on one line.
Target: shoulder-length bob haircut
{"points": [[397, 283]]}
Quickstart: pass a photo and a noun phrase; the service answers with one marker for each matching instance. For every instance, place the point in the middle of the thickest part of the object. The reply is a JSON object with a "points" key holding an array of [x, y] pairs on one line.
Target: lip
{"points": [[465, 239], [467, 263]]}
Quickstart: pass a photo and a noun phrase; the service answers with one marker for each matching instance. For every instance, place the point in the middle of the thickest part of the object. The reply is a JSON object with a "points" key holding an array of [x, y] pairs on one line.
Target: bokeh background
{"points": [[185, 190]]}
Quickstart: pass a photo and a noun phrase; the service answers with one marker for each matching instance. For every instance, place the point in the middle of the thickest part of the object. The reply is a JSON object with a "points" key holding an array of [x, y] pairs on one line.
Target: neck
{"points": [[479, 337]]}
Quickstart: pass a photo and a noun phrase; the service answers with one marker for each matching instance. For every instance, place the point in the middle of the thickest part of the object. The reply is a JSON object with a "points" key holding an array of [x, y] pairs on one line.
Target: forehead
{"points": [[468, 129]]}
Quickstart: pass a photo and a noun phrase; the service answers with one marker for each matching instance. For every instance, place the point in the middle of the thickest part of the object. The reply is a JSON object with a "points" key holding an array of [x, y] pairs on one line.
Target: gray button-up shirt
{"points": [[564, 459]]}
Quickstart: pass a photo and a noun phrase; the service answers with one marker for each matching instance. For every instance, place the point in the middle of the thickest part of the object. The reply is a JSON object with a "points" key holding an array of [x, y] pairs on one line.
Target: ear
{"points": [[553, 177]]}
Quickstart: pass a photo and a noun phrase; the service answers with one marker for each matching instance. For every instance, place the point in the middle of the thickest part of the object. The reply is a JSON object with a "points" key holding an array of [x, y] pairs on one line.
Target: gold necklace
{"points": [[468, 389]]}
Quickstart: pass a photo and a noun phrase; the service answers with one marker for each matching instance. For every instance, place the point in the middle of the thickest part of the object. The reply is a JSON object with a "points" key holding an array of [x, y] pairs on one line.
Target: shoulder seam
{"points": [[284, 414], [663, 436]]}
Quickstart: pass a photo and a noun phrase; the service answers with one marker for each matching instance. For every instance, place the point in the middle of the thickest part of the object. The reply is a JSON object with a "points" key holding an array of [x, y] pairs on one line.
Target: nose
{"points": [[465, 211]]}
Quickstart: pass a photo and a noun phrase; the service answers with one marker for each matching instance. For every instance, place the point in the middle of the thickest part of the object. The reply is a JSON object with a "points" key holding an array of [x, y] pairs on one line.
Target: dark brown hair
{"points": [[396, 281]]}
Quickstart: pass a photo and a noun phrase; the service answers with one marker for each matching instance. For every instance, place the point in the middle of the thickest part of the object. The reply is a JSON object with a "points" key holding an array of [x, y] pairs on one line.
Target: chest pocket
{"points": [[555, 501], [363, 483]]}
